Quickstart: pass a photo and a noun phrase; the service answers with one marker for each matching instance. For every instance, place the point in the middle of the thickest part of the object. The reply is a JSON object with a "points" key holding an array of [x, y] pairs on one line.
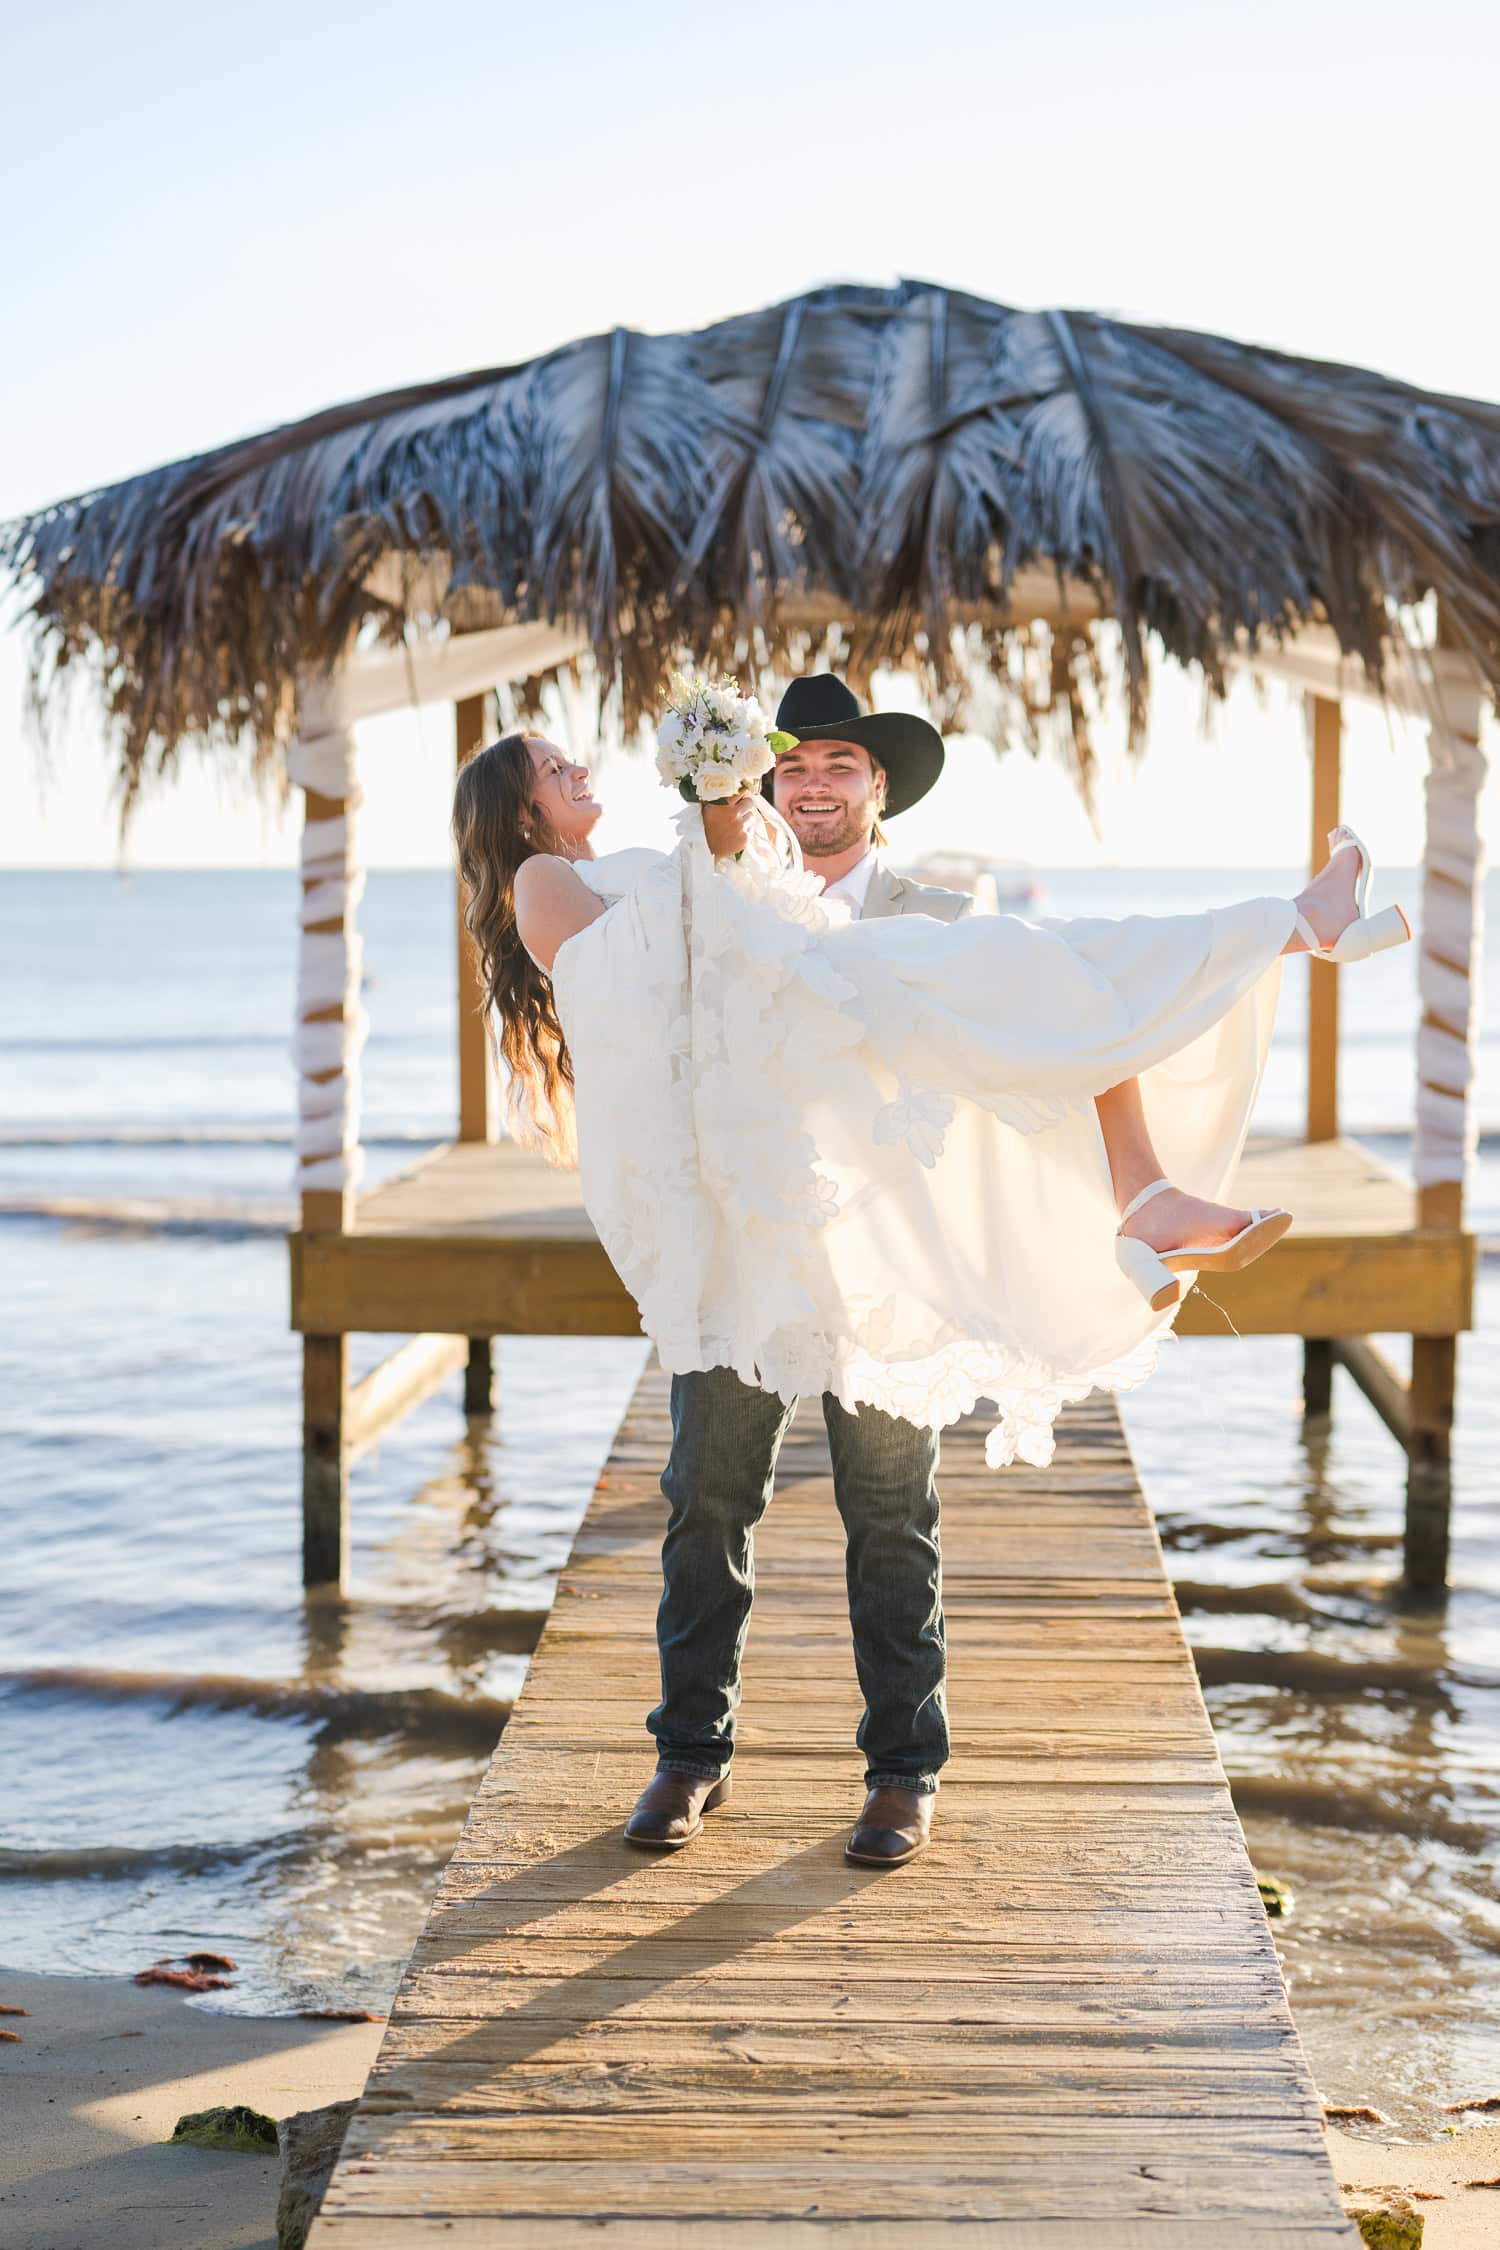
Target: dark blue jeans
{"points": [[725, 1439]]}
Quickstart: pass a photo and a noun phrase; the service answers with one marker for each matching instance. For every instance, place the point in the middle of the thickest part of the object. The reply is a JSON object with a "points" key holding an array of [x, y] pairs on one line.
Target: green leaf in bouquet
{"points": [[781, 742]]}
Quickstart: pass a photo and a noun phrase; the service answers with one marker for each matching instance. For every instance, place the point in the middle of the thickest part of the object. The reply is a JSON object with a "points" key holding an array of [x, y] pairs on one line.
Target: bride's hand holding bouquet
{"points": [[715, 745]]}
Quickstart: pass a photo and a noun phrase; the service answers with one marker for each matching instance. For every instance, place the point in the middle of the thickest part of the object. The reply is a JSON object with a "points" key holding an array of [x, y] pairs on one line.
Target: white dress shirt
{"points": [[854, 886]]}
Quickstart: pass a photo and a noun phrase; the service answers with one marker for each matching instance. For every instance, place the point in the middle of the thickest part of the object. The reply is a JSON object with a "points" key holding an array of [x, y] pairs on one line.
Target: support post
{"points": [[479, 1377], [412, 1373], [1325, 726], [1317, 1376], [473, 1045], [474, 1121], [325, 1464], [331, 1030], [1452, 928], [1326, 718]]}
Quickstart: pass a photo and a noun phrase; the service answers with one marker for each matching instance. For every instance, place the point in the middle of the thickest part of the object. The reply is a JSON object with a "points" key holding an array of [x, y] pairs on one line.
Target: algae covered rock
{"points": [[248, 2131], [1390, 2230], [1274, 1897]]}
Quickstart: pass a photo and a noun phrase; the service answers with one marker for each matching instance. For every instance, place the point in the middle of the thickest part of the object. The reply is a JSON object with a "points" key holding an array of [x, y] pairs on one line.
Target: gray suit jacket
{"points": [[894, 894]]}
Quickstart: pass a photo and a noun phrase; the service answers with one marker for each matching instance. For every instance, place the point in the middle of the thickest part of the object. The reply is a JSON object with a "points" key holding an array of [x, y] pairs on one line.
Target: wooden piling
{"points": [[475, 1122], [325, 1466]]}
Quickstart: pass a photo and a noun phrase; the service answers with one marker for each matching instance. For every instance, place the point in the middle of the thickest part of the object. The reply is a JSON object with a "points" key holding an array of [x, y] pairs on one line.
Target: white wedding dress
{"points": [[863, 1156]]}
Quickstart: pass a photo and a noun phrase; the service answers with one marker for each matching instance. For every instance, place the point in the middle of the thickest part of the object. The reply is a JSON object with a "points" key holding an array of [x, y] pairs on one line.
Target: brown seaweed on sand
{"points": [[185, 1980], [189, 1972]]}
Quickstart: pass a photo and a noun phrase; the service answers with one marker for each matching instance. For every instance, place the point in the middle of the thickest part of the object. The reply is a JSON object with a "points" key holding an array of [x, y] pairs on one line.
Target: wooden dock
{"points": [[484, 1238], [1062, 2027]]}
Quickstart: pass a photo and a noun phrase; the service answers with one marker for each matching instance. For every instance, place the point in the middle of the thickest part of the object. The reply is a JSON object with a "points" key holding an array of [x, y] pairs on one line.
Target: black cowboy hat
{"points": [[819, 707]]}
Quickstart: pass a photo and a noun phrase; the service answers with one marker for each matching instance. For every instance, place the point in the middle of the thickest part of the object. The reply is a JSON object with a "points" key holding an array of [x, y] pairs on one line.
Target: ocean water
{"points": [[195, 1755]]}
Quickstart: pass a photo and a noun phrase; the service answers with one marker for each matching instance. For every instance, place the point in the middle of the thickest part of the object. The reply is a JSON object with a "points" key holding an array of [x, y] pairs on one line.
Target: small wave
{"points": [[1192, 1535], [226, 1219], [436, 1714], [1334, 1678], [1261, 1599], [87, 1135], [1361, 1812], [110, 1862], [144, 1042]]}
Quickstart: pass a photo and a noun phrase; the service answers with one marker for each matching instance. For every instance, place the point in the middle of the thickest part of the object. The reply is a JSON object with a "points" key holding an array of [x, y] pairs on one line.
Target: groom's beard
{"points": [[832, 833]]}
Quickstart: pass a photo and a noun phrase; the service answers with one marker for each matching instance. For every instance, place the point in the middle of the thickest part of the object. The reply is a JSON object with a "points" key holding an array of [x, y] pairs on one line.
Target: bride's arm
{"points": [[729, 823], [552, 905]]}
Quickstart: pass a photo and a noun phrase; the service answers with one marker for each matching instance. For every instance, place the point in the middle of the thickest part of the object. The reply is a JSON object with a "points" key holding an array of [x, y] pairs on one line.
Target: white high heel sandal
{"points": [[1367, 933], [1154, 1272]]}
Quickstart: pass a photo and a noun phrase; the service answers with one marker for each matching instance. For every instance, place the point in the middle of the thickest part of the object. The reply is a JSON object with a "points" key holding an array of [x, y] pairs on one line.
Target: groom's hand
{"points": [[729, 824]]}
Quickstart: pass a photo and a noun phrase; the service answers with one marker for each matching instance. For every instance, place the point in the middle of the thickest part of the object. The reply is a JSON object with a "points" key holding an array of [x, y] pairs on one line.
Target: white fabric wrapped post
{"points": [[1452, 927], [1452, 921], [331, 1030], [331, 1022]]}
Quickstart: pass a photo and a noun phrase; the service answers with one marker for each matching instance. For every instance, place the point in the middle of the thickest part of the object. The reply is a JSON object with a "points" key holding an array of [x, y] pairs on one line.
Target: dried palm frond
{"points": [[937, 473], [614, 432], [782, 514], [857, 470]]}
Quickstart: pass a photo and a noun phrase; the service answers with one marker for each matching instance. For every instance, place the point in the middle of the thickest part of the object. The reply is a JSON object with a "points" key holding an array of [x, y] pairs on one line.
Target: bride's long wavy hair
{"points": [[495, 828]]}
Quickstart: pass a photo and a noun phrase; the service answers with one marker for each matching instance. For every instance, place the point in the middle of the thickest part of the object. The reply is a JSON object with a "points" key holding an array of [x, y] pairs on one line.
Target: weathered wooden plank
{"points": [[1066, 2019], [950, 2060], [527, 2009], [415, 2230], [1047, 2182]]}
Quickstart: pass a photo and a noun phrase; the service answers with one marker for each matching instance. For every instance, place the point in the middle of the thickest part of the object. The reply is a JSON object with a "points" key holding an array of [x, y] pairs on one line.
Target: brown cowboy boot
{"points": [[892, 1828], [669, 1811]]}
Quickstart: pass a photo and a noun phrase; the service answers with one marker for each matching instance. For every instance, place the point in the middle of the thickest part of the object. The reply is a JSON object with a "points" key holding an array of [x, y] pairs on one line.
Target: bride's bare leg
{"points": [[1328, 901], [1168, 1220], [1172, 1217]]}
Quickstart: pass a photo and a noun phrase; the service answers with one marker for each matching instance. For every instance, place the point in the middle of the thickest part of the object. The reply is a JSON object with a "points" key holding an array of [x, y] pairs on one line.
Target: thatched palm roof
{"points": [[892, 458]]}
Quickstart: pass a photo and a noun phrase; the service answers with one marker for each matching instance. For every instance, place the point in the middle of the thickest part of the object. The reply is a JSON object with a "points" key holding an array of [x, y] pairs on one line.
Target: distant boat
{"points": [[999, 886]]}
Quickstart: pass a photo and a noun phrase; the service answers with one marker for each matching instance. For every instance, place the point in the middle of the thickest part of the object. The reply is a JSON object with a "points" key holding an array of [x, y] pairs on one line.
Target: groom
{"points": [[847, 772]]}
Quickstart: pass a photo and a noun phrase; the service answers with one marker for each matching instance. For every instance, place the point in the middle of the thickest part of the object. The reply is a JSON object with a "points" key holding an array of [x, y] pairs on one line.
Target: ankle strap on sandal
{"points": [[1157, 1187]]}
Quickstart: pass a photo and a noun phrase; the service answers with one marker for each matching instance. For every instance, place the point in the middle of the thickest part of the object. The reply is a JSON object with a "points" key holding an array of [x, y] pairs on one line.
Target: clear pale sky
{"points": [[223, 218]]}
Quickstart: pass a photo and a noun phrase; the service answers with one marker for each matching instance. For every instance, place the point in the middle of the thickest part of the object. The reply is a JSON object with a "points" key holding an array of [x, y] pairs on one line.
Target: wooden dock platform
{"points": [[486, 1239], [482, 1239], [1063, 2026]]}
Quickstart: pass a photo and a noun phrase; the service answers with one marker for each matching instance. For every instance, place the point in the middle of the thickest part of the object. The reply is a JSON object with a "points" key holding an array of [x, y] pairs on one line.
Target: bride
{"points": [[910, 1163]]}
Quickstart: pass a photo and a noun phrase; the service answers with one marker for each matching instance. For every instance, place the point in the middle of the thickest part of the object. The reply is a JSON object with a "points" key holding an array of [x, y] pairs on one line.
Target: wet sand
{"points": [[90, 2095], [1431, 2177]]}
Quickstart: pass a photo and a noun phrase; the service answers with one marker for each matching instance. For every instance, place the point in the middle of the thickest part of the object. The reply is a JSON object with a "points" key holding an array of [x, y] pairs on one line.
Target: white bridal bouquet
{"points": [[713, 741]]}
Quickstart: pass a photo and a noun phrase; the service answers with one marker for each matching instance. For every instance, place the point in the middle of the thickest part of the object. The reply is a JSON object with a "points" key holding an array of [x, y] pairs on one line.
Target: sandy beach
{"points": [[104, 2069], [1453, 2183]]}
